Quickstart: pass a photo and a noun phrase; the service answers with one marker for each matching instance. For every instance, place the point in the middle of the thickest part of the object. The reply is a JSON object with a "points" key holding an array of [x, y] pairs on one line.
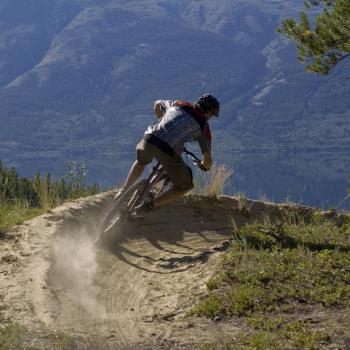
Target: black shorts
{"points": [[179, 173]]}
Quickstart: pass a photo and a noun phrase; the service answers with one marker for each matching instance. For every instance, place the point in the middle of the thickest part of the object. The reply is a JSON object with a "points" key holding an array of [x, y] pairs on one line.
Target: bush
{"points": [[43, 191]]}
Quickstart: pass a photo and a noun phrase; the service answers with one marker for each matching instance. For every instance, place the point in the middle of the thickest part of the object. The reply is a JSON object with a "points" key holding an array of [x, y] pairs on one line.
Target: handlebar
{"points": [[195, 160]]}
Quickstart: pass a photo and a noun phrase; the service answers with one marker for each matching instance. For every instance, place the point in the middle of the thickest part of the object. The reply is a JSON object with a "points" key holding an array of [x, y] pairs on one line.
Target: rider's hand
{"points": [[207, 161]]}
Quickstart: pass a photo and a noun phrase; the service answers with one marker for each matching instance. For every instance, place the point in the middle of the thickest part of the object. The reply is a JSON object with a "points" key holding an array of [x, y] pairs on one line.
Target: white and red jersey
{"points": [[181, 123]]}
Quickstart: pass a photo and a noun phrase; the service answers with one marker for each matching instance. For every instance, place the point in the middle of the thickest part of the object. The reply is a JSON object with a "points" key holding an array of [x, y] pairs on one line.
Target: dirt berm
{"points": [[133, 291]]}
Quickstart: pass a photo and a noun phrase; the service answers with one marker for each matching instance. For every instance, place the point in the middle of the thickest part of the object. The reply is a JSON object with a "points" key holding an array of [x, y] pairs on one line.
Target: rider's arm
{"points": [[204, 140], [206, 151], [161, 106], [158, 109], [207, 161]]}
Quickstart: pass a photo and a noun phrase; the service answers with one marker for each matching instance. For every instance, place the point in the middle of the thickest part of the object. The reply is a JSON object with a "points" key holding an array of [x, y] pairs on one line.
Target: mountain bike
{"points": [[155, 185]]}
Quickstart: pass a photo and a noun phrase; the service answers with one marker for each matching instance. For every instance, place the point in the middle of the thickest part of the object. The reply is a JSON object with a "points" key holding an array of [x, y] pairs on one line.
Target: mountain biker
{"points": [[178, 122]]}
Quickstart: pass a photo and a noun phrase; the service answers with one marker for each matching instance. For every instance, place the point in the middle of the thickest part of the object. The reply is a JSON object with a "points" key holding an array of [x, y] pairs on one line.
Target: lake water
{"points": [[315, 178]]}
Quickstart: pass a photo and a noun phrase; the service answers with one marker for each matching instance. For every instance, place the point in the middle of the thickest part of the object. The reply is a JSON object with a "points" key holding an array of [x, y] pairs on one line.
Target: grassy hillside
{"points": [[283, 286]]}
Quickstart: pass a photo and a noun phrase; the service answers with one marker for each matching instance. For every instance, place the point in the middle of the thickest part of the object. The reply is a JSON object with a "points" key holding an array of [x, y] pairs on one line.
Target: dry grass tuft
{"points": [[213, 182], [48, 192]]}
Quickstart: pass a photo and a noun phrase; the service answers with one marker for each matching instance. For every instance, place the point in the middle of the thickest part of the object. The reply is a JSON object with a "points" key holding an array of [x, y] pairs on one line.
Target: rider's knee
{"points": [[140, 164], [142, 157]]}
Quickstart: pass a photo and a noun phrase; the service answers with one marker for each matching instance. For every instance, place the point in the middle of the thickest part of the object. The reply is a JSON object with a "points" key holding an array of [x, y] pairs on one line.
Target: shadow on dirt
{"points": [[180, 232]]}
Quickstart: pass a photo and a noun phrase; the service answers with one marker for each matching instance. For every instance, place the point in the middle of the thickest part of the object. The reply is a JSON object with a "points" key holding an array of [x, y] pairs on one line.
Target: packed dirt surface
{"points": [[134, 287]]}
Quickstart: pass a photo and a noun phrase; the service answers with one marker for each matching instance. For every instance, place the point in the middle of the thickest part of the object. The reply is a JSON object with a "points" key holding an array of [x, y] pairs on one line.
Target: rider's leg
{"points": [[169, 197], [143, 157], [181, 176], [135, 172], [166, 198]]}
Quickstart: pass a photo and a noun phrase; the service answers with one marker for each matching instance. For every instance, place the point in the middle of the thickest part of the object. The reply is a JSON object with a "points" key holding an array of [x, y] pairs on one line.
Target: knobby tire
{"points": [[114, 213]]}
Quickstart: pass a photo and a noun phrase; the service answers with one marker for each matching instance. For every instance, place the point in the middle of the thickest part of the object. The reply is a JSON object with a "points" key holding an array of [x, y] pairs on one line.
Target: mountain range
{"points": [[82, 75]]}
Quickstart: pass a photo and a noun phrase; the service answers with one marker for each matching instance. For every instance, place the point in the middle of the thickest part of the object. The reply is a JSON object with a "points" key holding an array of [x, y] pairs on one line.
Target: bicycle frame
{"points": [[158, 173], [144, 192], [139, 196]]}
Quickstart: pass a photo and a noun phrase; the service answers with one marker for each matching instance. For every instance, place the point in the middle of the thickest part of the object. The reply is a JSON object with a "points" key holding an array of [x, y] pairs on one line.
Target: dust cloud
{"points": [[74, 268]]}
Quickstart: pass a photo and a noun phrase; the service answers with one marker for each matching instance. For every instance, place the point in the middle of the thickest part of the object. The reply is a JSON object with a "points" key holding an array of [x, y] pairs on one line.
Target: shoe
{"points": [[143, 209]]}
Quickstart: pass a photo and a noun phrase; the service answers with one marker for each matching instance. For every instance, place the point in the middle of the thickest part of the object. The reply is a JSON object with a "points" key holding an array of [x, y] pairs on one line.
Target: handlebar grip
{"points": [[204, 169], [195, 160]]}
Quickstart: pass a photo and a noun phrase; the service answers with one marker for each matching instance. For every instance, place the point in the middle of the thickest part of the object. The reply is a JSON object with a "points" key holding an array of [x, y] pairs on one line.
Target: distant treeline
{"points": [[44, 191]]}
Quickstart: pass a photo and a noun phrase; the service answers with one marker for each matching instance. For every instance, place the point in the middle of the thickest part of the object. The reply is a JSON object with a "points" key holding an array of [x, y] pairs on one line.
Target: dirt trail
{"points": [[132, 290]]}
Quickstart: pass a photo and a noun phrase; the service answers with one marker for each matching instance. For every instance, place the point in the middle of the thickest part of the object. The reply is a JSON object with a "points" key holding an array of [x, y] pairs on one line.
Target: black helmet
{"points": [[208, 103]]}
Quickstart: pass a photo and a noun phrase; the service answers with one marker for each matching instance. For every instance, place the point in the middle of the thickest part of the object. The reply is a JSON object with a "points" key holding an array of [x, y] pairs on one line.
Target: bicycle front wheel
{"points": [[126, 201]]}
